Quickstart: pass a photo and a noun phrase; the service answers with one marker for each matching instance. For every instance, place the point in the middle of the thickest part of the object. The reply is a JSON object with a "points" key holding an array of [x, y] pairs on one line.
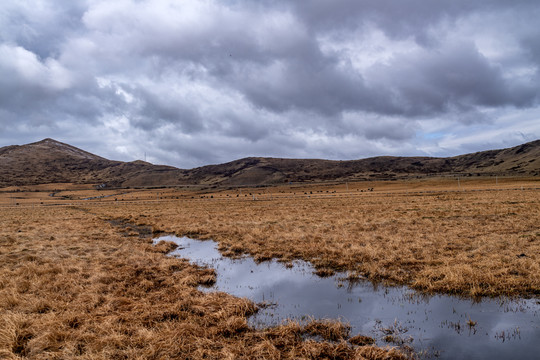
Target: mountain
{"points": [[522, 160], [50, 161]]}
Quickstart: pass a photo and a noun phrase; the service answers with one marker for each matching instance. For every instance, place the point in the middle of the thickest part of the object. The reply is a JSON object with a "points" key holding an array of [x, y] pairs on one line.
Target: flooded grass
{"points": [[81, 279], [470, 243], [444, 326], [74, 285]]}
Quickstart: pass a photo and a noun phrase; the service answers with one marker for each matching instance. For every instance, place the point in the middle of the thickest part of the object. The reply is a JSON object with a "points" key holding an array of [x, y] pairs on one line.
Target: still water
{"points": [[438, 326]]}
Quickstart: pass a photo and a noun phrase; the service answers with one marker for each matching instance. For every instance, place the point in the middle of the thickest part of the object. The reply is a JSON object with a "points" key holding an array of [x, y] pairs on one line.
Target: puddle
{"points": [[437, 326]]}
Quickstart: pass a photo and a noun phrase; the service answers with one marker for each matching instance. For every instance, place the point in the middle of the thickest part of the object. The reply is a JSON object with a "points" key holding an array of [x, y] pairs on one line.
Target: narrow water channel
{"points": [[439, 326]]}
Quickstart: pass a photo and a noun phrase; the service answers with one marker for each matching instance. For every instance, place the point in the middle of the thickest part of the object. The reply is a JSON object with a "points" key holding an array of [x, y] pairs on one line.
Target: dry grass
{"points": [[73, 285], [165, 247], [472, 243]]}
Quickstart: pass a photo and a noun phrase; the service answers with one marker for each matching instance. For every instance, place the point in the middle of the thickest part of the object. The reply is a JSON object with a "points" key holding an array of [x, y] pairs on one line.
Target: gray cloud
{"points": [[40, 26], [197, 82], [159, 108], [401, 19], [452, 78]]}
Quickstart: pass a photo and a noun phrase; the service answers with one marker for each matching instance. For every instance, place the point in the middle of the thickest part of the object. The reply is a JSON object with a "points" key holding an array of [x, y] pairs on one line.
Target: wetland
{"points": [[76, 284], [442, 326]]}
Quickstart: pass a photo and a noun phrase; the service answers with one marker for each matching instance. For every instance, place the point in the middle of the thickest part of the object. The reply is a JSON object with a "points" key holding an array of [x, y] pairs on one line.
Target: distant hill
{"points": [[522, 160], [50, 161]]}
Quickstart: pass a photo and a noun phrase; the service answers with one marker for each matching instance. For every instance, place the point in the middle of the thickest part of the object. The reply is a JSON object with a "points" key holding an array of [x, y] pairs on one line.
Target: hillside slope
{"points": [[50, 161], [522, 160]]}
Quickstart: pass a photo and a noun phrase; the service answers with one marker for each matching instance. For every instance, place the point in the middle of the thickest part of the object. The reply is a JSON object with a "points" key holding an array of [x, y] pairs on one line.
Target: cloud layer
{"points": [[204, 81]]}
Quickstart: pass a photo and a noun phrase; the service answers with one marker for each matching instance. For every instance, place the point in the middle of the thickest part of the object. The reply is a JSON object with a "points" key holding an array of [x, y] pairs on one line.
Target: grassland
{"points": [[478, 239], [75, 285]]}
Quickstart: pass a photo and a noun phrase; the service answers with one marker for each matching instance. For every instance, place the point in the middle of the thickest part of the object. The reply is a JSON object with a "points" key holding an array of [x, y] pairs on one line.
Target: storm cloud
{"points": [[195, 82]]}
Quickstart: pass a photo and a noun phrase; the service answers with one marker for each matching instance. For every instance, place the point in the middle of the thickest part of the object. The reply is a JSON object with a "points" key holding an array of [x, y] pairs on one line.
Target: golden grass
{"points": [[472, 243], [73, 285], [69, 194]]}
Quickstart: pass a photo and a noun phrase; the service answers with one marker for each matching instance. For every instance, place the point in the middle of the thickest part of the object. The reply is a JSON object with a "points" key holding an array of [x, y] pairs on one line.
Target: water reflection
{"points": [[440, 325]]}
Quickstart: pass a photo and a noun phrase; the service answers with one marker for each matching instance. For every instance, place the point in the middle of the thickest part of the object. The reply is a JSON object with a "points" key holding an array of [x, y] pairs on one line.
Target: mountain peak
{"points": [[46, 140], [49, 145], [49, 141]]}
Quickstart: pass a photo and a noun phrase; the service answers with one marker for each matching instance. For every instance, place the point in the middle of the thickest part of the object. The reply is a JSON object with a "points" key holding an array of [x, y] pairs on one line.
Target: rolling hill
{"points": [[50, 161]]}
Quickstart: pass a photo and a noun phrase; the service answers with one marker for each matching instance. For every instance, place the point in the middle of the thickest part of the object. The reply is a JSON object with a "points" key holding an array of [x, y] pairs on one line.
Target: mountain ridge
{"points": [[51, 161]]}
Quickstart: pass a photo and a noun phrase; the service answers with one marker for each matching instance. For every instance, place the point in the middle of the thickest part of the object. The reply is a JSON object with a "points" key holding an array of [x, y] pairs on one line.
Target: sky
{"points": [[195, 82]]}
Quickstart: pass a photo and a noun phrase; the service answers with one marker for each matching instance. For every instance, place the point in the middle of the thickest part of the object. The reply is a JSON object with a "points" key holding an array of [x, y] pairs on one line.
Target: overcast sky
{"points": [[195, 82]]}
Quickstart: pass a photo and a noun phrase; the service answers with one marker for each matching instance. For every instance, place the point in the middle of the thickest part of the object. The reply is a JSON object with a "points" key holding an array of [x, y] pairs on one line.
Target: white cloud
{"points": [[194, 82], [24, 66]]}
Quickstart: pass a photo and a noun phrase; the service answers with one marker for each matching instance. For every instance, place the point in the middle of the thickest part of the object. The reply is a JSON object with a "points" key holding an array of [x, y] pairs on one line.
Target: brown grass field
{"points": [[75, 285]]}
